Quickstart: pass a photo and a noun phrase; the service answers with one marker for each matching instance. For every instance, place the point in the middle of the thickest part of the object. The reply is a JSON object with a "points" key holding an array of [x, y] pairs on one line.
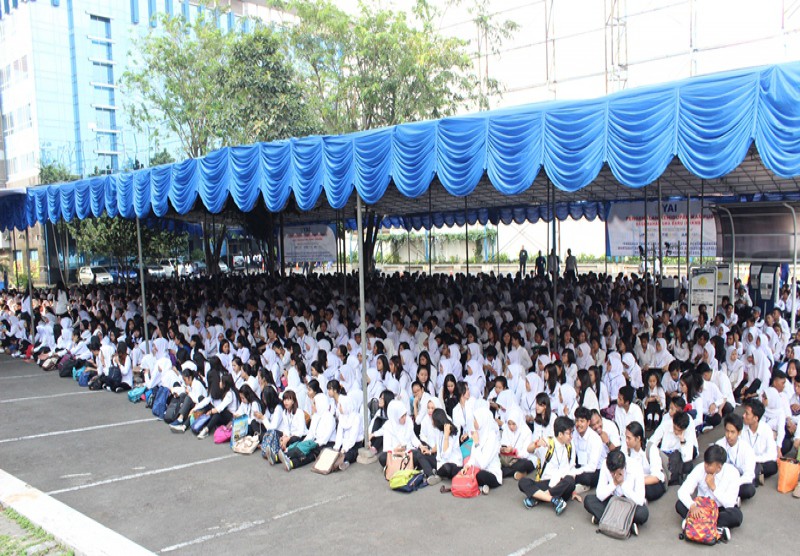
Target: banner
{"points": [[703, 290], [315, 243], [625, 229]]}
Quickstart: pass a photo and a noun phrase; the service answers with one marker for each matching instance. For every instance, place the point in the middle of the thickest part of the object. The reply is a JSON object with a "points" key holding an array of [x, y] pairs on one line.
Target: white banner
{"points": [[703, 290], [626, 224], [315, 243]]}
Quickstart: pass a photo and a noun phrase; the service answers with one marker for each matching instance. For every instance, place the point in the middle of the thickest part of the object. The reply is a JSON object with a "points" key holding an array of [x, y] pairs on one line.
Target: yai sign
{"points": [[626, 224]]}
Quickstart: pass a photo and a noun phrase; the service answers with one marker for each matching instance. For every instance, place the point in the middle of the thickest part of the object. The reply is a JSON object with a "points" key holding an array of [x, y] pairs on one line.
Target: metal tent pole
{"points": [[363, 317], [794, 265], [646, 218], [28, 273], [466, 234], [733, 253], [14, 256], [660, 241], [555, 266], [497, 246], [702, 208], [430, 233], [141, 281], [408, 245], [283, 250], [688, 233]]}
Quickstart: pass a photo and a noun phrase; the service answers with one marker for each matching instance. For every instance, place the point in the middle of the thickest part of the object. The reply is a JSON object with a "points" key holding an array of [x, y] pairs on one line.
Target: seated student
{"points": [[715, 479], [448, 451], [194, 394], [680, 447], [655, 484], [425, 455], [627, 411], [541, 424], [740, 455], [320, 432], [761, 439], [588, 451], [619, 477], [654, 402], [775, 408], [272, 413], [484, 459], [349, 432], [715, 405], [555, 475], [222, 406], [671, 381], [249, 406], [378, 420], [608, 431], [514, 442], [398, 432]]}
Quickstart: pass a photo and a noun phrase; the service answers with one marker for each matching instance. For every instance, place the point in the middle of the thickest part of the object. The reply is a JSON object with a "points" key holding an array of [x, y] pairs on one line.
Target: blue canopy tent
{"points": [[728, 134]]}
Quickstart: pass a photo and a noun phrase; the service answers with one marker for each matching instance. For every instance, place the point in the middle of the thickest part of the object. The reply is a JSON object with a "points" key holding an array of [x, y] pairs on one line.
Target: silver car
{"points": [[94, 275]]}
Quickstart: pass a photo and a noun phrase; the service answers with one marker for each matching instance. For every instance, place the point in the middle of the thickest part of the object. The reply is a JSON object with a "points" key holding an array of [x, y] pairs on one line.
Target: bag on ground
{"points": [[160, 400], [222, 435], [328, 461], [135, 394], [65, 365], [617, 519], [200, 422], [270, 440], [407, 480], [172, 411], [703, 529], [239, 428], [397, 462], [465, 484], [788, 474], [246, 445]]}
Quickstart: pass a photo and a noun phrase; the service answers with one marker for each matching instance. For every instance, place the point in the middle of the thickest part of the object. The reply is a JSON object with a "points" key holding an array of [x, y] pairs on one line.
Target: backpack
{"points": [[703, 530], [160, 400], [270, 440], [172, 411], [65, 365], [135, 394], [50, 363], [407, 480], [551, 447], [84, 377], [617, 518], [465, 485]]}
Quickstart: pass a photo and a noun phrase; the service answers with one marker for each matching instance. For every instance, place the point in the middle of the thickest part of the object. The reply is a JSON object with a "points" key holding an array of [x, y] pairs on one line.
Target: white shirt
{"points": [[726, 483], [742, 457], [762, 442], [632, 486], [588, 451]]}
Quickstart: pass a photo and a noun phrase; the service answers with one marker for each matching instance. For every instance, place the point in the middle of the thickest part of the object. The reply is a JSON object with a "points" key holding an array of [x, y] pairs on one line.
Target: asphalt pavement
{"points": [[173, 494]]}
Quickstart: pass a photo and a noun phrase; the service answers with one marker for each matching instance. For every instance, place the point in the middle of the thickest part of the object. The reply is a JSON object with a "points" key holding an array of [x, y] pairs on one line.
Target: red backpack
{"points": [[703, 529], [465, 484]]}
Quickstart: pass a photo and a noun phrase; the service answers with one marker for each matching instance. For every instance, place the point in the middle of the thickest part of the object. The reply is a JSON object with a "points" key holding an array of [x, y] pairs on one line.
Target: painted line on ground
{"points": [[72, 431], [249, 525], [140, 475], [14, 400], [73, 529], [75, 475], [535, 544], [22, 376]]}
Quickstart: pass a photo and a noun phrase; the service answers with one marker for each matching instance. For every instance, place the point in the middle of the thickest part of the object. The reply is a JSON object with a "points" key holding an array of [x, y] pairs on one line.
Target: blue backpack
{"points": [[83, 378], [160, 402]]}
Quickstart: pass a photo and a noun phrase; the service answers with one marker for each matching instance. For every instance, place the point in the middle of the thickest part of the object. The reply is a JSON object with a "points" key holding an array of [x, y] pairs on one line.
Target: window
{"points": [[15, 72], [100, 51], [100, 27], [102, 73], [106, 142], [105, 119], [103, 96], [17, 120]]}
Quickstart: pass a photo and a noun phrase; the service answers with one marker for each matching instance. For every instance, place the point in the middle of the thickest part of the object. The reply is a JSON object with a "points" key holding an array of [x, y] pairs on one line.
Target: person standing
{"points": [[540, 265], [571, 266], [553, 263], [523, 261]]}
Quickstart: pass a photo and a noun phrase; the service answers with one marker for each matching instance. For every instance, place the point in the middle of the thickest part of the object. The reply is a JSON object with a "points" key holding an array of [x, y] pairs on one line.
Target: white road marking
{"points": [[84, 429], [538, 542], [22, 376], [140, 475], [249, 525], [75, 475], [13, 400]]}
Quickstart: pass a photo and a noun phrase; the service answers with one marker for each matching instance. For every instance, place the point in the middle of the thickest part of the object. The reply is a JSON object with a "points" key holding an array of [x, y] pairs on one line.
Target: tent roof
{"points": [[729, 134]]}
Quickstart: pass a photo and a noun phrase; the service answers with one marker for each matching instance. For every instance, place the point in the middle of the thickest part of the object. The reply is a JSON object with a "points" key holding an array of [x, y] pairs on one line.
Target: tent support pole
{"points": [[28, 273], [497, 246], [646, 219], [466, 234], [283, 251], [408, 245], [660, 247], [733, 252], [362, 318], [141, 283], [555, 266], [14, 256], [794, 266], [702, 209], [605, 225], [430, 233], [688, 233]]}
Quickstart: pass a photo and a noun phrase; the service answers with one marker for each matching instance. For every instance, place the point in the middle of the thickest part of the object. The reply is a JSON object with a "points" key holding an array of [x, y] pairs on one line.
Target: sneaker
{"points": [[559, 505], [683, 525], [580, 489], [594, 520], [738, 501], [635, 530], [530, 502], [345, 464], [796, 491], [707, 428], [178, 426], [434, 480], [287, 463], [119, 390], [203, 433], [107, 388], [268, 455], [761, 479], [724, 534], [485, 490], [519, 475]]}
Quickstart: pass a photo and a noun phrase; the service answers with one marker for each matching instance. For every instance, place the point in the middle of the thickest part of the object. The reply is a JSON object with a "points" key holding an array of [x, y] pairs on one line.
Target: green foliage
{"points": [[55, 173], [161, 157], [376, 68]]}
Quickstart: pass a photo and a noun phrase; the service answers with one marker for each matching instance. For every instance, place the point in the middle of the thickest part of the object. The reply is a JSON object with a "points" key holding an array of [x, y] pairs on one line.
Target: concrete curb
{"points": [[71, 528]]}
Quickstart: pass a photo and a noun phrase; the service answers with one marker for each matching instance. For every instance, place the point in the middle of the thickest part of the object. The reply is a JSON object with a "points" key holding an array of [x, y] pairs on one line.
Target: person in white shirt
{"points": [[222, 408], [619, 477], [320, 432], [588, 451], [195, 392], [740, 455], [761, 439], [349, 431], [655, 484], [627, 411], [608, 431], [485, 455], [677, 439], [715, 479], [555, 475]]}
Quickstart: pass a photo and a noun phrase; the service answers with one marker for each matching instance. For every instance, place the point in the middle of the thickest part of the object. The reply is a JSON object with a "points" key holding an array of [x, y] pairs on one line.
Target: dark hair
{"points": [[627, 393], [293, 397], [544, 400], [439, 419], [336, 386], [387, 396], [502, 380], [678, 402], [756, 407], [270, 399], [249, 395], [615, 460], [735, 420], [691, 386], [551, 372], [313, 385], [715, 454], [681, 420], [583, 413], [562, 424], [636, 430], [586, 383]]}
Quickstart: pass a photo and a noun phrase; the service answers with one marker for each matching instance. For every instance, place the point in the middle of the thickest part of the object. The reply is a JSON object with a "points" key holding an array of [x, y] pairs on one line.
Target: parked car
{"points": [[238, 262], [199, 268], [223, 268], [120, 276], [169, 268], [155, 272], [94, 275]]}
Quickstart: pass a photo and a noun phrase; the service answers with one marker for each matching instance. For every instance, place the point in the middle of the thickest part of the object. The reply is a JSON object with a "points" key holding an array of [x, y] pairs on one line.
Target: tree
{"points": [[58, 173], [161, 157]]}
